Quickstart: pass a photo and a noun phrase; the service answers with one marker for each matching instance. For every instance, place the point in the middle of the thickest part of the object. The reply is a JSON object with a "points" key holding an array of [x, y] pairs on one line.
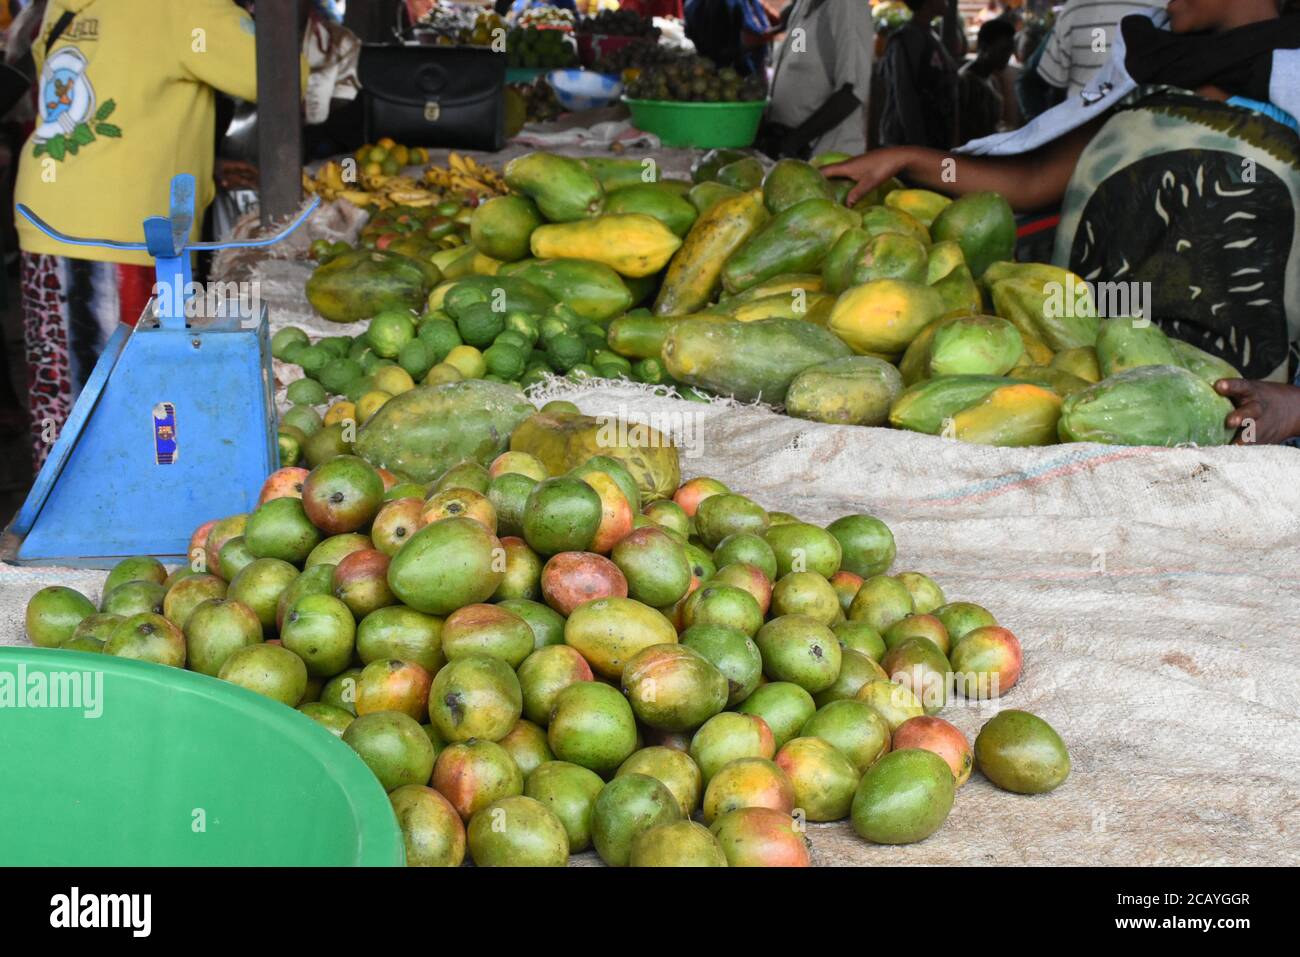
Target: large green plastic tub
{"points": [[178, 769], [706, 125]]}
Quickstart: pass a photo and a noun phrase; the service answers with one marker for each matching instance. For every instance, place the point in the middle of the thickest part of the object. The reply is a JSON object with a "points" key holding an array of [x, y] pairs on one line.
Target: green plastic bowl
{"points": [[705, 125], [179, 769]]}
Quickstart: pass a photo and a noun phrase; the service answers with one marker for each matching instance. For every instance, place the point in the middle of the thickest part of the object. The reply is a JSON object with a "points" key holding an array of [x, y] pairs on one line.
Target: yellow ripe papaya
{"points": [[632, 244], [885, 315], [695, 273], [922, 204], [1012, 416]]}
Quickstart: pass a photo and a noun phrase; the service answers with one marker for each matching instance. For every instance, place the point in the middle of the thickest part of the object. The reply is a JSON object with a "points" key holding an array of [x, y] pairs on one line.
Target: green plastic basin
{"points": [[177, 769], [706, 125]]}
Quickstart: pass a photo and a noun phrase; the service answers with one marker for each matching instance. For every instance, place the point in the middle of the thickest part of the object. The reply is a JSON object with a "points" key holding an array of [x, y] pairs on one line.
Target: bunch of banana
{"points": [[371, 188], [467, 175]]}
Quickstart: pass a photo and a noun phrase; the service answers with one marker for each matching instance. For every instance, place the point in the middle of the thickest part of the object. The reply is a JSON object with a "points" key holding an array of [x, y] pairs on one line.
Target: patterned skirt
{"points": [[70, 308]]}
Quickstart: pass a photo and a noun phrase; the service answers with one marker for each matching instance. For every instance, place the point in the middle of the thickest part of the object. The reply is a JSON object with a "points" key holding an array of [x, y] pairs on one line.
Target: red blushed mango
{"points": [[520, 462], [283, 483], [917, 626], [571, 578], [198, 541], [473, 774], [616, 513], [748, 782], [986, 662], [944, 739], [692, 493], [846, 585], [676, 612], [761, 837], [392, 685], [396, 522], [487, 630], [750, 578], [361, 582], [220, 532], [342, 495], [458, 503]]}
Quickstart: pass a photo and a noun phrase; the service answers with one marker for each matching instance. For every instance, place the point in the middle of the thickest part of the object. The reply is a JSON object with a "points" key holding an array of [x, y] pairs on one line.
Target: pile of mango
{"points": [[553, 644]]}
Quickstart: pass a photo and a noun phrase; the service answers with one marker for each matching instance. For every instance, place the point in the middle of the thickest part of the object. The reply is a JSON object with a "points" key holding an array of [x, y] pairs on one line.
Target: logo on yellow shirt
{"points": [[69, 116]]}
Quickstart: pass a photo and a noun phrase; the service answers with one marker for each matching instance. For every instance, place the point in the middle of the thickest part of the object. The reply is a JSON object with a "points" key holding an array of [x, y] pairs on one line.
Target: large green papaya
{"points": [[364, 282], [959, 292], [505, 293], [796, 240], [669, 207], [1203, 364], [855, 390], [638, 337], [975, 345], [591, 289], [744, 174], [501, 226], [704, 196], [925, 407], [859, 257], [563, 188], [1148, 405], [1047, 304], [748, 360], [1125, 344], [424, 431], [615, 173], [808, 282], [983, 224], [884, 219], [563, 441], [695, 272], [790, 182]]}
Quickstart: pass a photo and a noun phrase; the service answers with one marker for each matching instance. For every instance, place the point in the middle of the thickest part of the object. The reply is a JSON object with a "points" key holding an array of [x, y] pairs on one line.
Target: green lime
{"points": [[338, 373], [416, 358], [441, 336], [306, 392], [313, 359], [565, 351], [288, 336], [504, 360], [650, 371], [389, 331], [336, 346], [479, 324], [522, 323]]}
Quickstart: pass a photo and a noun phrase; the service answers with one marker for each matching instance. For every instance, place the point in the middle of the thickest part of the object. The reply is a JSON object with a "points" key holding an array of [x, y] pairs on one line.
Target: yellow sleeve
{"points": [[218, 45]]}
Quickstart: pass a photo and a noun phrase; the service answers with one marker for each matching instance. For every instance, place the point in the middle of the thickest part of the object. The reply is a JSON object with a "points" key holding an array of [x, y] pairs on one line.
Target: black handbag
{"points": [[434, 96]]}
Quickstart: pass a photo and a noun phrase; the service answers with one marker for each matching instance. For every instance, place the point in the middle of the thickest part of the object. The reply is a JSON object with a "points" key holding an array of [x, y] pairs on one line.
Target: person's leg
{"points": [[45, 334]]}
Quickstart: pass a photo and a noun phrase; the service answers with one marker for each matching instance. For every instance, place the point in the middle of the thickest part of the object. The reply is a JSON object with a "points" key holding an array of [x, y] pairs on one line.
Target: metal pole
{"points": [[279, 114]]}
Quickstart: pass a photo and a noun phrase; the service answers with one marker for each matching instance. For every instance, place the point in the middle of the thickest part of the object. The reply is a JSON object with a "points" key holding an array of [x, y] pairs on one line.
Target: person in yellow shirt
{"points": [[125, 100]]}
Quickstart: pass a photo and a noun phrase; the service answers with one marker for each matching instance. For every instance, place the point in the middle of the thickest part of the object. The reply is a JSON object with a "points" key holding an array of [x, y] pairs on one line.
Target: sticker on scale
{"points": [[164, 433]]}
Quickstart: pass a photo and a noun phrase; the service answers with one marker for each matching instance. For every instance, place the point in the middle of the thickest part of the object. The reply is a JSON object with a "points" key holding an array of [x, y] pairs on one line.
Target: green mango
{"points": [[1150, 405], [983, 224], [904, 797], [796, 240], [500, 227], [790, 182], [563, 188], [1021, 752]]}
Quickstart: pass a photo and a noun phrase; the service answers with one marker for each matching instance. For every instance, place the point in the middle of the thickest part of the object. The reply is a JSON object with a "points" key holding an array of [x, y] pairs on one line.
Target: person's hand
{"points": [[1267, 413], [868, 170], [235, 174]]}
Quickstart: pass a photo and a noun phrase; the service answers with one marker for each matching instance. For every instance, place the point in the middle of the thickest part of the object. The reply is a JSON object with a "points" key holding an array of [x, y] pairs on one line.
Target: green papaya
{"points": [[364, 282], [1049, 304], [1058, 380], [563, 441], [1124, 344], [501, 226], [790, 182], [505, 293], [591, 289], [704, 196], [665, 205], [1081, 363], [563, 188], [914, 366], [855, 390], [749, 360], [975, 345], [744, 174], [983, 224], [926, 406], [1148, 405], [641, 287], [883, 219], [796, 240], [959, 292], [424, 431], [695, 272], [859, 257], [795, 304], [706, 167], [615, 173], [943, 258], [1203, 364], [639, 337], [1011, 416], [809, 282]]}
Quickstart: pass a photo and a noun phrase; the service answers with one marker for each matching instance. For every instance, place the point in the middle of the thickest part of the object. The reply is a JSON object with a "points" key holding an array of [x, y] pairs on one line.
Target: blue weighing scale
{"points": [[175, 426]]}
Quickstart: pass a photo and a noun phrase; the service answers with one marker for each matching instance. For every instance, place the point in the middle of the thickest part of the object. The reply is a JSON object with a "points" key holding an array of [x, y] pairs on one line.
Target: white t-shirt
{"points": [[1081, 40]]}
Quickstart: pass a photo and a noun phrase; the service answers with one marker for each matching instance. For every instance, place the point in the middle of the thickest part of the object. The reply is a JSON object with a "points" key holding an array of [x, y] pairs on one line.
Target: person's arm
{"points": [[218, 46], [1268, 412], [1033, 181]]}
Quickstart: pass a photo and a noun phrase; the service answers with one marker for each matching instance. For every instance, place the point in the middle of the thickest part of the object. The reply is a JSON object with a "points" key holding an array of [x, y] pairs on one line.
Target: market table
{"points": [[1154, 592]]}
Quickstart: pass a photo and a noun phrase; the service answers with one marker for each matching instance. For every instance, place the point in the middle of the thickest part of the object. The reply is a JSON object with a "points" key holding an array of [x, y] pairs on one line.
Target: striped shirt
{"points": [[1080, 41]]}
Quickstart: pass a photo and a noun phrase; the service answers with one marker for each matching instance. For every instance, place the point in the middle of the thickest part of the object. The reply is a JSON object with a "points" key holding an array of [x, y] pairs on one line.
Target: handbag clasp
{"points": [[432, 111]]}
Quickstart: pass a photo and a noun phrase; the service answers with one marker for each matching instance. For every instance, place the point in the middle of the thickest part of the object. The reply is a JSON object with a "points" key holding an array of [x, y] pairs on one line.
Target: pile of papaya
{"points": [[904, 309], [543, 642]]}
